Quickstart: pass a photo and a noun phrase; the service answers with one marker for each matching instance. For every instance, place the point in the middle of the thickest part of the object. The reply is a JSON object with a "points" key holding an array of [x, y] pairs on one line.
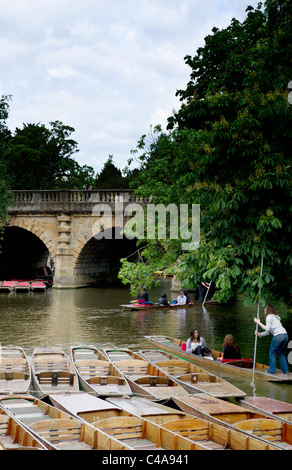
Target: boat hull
{"points": [[241, 367], [144, 378], [54, 428], [191, 377], [155, 306], [96, 374], [15, 371], [52, 372]]}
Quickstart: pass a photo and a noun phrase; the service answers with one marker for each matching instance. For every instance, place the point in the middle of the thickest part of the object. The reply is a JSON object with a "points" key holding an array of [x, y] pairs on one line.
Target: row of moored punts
{"points": [[23, 286], [111, 399]]}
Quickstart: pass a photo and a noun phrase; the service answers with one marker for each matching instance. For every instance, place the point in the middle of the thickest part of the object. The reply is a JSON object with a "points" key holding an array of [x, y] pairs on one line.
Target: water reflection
{"points": [[94, 316]]}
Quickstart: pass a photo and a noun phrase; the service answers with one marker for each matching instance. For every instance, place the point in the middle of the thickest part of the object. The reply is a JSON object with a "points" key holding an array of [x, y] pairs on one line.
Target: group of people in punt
{"points": [[196, 344]]}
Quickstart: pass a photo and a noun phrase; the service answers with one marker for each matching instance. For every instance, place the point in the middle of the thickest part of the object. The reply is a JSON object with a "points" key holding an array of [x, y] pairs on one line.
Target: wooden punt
{"points": [[215, 436], [144, 378], [15, 372], [233, 416], [272, 430], [141, 434], [191, 377], [155, 306], [38, 286], [242, 367], [270, 407], [52, 372], [14, 436], [22, 286], [182, 434], [54, 428], [97, 374], [91, 408], [7, 286]]}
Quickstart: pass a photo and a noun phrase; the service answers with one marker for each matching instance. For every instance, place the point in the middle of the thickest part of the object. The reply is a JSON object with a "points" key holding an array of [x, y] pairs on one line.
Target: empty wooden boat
{"points": [[54, 428], [91, 408], [144, 378], [233, 416], [14, 436], [216, 437], [269, 407], [141, 434], [242, 367], [272, 430], [15, 373], [190, 376], [97, 374], [52, 372]]}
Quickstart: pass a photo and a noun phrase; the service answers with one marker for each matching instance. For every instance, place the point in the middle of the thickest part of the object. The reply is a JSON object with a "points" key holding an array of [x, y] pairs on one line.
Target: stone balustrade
{"points": [[72, 199]]}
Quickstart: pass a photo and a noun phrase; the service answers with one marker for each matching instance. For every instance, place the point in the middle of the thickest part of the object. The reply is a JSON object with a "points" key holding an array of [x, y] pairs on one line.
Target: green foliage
{"points": [[111, 177], [40, 158], [228, 148], [5, 194]]}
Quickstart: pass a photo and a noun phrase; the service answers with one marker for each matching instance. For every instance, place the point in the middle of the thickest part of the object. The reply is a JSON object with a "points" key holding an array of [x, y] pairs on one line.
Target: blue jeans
{"points": [[277, 346]]}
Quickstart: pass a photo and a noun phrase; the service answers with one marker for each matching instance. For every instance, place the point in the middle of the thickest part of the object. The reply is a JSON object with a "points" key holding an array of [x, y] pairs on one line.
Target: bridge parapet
{"points": [[76, 200]]}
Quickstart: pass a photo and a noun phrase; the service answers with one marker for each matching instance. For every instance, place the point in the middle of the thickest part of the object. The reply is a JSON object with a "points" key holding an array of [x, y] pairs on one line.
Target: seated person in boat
{"points": [[163, 300], [143, 297], [197, 345], [182, 300], [230, 348]]}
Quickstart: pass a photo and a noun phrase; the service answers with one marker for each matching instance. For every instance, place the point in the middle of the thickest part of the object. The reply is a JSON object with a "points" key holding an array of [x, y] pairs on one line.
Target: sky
{"points": [[109, 69]]}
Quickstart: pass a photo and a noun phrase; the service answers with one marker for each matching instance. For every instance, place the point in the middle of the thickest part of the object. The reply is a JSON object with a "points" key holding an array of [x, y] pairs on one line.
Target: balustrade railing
{"points": [[58, 197]]}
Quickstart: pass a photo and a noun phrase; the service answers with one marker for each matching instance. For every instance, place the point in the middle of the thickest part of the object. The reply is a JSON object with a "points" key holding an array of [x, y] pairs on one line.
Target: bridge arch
{"points": [[98, 261], [22, 253]]}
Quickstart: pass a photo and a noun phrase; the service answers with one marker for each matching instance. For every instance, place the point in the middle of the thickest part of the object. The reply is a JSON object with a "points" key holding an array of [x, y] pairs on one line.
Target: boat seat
{"points": [[132, 367], [194, 429], [55, 377], [196, 378], [13, 363], [121, 427], [92, 367], [106, 380], [153, 381], [12, 375], [50, 364], [173, 366], [268, 429], [58, 430]]}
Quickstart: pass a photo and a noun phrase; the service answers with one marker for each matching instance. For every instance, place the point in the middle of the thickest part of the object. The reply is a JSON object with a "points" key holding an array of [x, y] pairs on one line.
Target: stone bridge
{"points": [[79, 232]]}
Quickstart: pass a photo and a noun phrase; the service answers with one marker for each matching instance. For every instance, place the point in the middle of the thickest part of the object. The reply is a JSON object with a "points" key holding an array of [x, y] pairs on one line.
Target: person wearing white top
{"points": [[197, 345], [181, 300], [279, 341]]}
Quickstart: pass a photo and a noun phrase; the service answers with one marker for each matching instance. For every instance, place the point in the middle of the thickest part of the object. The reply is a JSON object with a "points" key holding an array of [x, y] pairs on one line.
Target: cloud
{"points": [[108, 69]]}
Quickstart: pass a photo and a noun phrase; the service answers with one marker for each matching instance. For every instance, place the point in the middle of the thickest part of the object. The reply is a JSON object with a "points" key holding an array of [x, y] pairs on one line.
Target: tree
{"points": [[41, 158], [5, 193], [228, 149], [111, 177]]}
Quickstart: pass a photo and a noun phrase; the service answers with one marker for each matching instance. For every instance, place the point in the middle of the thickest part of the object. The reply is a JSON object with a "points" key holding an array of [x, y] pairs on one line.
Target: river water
{"points": [[94, 316]]}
